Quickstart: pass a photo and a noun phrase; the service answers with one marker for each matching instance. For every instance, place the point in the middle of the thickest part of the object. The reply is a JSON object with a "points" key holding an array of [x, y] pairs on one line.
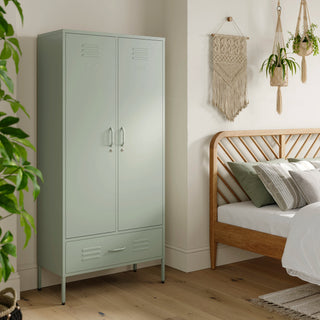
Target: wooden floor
{"points": [[218, 294]]}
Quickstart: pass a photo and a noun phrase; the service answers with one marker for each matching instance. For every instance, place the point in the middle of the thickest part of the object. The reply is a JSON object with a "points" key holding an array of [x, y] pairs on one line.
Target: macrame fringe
{"points": [[230, 99], [271, 307], [303, 69], [279, 101]]}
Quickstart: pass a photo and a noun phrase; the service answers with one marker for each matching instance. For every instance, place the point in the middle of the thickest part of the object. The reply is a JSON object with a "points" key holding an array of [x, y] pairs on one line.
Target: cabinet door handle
{"points": [[117, 249], [122, 136], [111, 137]]}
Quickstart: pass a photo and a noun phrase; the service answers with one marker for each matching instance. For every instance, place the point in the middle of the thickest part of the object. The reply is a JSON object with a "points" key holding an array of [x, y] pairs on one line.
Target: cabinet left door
{"points": [[90, 118]]}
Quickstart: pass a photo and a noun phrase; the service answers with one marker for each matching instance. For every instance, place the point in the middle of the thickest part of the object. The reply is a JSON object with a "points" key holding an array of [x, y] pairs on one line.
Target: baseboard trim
{"points": [[189, 260]]}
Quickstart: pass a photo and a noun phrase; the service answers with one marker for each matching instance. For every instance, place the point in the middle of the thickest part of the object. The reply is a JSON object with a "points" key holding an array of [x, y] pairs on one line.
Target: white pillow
{"points": [[279, 183], [308, 182]]}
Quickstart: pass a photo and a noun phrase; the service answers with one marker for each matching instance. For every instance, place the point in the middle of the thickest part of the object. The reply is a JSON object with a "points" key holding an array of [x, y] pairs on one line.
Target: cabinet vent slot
{"points": [[140, 54], [91, 253], [140, 245], [90, 50]]}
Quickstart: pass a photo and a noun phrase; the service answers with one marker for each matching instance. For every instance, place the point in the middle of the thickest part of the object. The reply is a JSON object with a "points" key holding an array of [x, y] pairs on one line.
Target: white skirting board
{"points": [[197, 259]]}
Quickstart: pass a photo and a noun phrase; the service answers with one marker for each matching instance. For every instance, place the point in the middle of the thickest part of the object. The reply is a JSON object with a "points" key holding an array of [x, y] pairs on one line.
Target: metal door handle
{"points": [[110, 131], [122, 136], [117, 249]]}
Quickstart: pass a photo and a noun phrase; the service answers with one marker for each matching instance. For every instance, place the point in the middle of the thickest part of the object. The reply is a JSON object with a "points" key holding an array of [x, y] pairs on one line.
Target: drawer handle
{"points": [[117, 249]]}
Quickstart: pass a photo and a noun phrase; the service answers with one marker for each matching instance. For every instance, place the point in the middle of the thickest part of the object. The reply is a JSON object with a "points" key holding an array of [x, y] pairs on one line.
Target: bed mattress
{"points": [[268, 219]]}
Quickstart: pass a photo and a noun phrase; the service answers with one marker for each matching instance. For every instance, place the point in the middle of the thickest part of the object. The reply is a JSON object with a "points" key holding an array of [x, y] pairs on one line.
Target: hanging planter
{"points": [[304, 42], [278, 63], [277, 79]]}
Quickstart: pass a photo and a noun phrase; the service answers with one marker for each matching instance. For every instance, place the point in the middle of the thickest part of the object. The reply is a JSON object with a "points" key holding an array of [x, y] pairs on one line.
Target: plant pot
{"points": [[304, 49], [9, 309], [276, 80]]}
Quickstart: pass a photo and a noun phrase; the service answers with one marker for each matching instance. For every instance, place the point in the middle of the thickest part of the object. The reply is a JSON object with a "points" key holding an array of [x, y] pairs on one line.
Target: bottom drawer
{"points": [[96, 253]]}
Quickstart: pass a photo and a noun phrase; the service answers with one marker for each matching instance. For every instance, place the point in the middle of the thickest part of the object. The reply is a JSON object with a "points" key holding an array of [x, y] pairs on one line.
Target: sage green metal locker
{"points": [[101, 150]]}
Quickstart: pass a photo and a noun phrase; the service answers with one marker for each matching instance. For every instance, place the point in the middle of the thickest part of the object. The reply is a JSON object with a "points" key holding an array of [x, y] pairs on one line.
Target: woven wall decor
{"points": [[229, 80], [229, 77]]}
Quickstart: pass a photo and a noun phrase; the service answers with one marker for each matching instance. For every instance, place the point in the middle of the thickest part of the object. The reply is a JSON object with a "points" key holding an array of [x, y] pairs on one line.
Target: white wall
{"points": [[141, 17], [301, 105], [175, 31], [190, 118]]}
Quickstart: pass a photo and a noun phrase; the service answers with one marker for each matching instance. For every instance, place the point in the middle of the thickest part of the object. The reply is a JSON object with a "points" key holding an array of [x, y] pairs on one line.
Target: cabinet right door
{"points": [[140, 134]]}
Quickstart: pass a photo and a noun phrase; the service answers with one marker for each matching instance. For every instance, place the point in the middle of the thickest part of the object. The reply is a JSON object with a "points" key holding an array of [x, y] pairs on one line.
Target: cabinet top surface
{"points": [[67, 31]]}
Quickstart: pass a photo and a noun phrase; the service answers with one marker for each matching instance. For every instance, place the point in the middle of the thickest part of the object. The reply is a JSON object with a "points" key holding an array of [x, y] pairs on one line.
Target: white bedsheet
{"points": [[268, 219], [301, 256]]}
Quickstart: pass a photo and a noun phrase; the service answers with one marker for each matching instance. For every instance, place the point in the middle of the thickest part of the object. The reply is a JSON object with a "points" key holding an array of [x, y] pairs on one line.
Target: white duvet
{"points": [[301, 256]]}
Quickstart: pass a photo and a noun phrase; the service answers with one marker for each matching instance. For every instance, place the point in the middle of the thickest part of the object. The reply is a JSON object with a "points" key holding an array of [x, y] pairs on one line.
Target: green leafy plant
{"points": [[16, 172], [279, 60], [310, 38]]}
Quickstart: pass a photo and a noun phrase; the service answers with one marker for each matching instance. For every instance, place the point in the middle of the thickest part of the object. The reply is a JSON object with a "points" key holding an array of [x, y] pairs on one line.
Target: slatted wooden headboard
{"points": [[254, 146], [250, 146]]}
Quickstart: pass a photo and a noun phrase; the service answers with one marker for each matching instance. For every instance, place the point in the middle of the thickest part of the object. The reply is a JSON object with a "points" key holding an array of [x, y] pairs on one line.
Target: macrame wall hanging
{"points": [[302, 46], [229, 72], [279, 78]]}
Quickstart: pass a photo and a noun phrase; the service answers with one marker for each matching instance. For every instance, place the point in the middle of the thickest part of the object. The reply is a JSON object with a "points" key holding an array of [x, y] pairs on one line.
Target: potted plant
{"points": [[16, 172], [306, 43], [277, 66]]}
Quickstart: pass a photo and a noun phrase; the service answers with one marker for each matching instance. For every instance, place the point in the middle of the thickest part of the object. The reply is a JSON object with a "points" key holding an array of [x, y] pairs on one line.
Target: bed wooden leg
{"points": [[213, 253]]}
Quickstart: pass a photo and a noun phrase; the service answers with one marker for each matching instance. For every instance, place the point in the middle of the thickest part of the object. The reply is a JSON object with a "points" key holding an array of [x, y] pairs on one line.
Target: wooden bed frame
{"points": [[250, 146]]}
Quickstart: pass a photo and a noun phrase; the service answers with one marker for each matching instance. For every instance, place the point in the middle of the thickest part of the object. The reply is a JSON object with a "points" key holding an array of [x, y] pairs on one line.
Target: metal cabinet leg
{"points": [[39, 278], [63, 291], [135, 267], [163, 271]]}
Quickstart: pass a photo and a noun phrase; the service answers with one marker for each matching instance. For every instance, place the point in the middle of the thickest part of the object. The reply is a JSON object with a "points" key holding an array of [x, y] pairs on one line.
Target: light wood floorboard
{"points": [[221, 294]]}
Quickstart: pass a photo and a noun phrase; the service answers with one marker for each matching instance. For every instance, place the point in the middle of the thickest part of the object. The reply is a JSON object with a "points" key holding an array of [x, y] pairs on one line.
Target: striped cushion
{"points": [[279, 183]]}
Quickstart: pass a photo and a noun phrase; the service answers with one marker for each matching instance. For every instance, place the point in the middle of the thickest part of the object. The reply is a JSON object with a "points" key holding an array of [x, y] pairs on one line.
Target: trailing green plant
{"points": [[310, 38], [16, 172], [279, 60]]}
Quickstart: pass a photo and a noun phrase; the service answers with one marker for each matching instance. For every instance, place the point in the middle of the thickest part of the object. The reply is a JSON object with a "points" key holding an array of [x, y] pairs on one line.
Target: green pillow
{"points": [[251, 183], [306, 159]]}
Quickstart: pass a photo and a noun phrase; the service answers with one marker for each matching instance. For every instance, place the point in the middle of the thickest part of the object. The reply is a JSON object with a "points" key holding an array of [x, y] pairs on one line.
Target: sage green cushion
{"points": [[251, 183], [314, 161], [300, 159]]}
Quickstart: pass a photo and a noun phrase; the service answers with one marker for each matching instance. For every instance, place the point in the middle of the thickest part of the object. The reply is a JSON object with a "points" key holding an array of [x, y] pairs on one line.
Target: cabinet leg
{"points": [[135, 267], [39, 278], [63, 291], [163, 271]]}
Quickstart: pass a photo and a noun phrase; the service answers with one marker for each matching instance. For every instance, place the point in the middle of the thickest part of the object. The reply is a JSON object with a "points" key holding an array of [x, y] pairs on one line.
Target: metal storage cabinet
{"points": [[101, 151]]}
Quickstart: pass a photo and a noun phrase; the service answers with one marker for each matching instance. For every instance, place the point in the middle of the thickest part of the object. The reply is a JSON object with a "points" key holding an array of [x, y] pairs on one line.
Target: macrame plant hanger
{"points": [[304, 48], [277, 80]]}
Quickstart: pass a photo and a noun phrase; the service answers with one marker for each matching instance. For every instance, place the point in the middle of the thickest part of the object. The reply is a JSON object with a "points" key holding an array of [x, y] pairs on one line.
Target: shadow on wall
{"points": [[26, 92]]}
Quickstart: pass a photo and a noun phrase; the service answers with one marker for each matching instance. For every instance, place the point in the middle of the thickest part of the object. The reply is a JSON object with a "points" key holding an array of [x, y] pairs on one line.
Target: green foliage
{"points": [[279, 60], [16, 172], [309, 37]]}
